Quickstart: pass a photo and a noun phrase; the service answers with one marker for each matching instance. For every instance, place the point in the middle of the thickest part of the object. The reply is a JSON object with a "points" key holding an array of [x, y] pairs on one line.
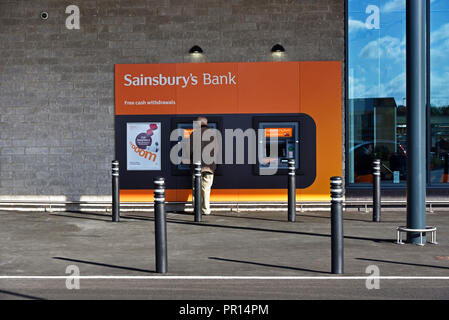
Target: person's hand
{"points": [[266, 161]]}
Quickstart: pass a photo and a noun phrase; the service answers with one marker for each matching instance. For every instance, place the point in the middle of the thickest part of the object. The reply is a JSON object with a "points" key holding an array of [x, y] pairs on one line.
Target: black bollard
{"points": [[197, 192], [376, 191], [160, 225], [291, 190], [115, 192], [337, 225]]}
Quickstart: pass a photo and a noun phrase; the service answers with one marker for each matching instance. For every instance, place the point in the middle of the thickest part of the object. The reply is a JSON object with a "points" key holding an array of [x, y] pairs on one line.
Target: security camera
{"points": [[44, 15]]}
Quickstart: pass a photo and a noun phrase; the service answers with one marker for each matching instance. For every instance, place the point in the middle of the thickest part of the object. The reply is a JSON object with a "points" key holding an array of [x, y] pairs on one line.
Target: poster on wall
{"points": [[143, 151]]}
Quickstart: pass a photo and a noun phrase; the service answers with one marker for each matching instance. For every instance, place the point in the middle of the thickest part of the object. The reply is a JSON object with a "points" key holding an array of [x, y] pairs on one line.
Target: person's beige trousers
{"points": [[206, 184]]}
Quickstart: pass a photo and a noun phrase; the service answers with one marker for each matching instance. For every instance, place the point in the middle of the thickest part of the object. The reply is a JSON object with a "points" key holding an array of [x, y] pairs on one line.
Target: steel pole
{"points": [[115, 191], [291, 190], [337, 225], [416, 117], [160, 225]]}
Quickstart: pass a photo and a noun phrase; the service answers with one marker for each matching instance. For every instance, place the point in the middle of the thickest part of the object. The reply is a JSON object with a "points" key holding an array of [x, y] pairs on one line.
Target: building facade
{"points": [[57, 137]]}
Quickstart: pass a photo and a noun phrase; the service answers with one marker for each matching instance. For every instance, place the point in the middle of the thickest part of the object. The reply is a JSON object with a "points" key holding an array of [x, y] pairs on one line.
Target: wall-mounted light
{"points": [[277, 48], [196, 50], [44, 15]]}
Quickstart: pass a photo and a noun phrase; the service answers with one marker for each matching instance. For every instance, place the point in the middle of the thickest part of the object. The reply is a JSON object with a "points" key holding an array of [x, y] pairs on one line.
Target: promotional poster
{"points": [[143, 146]]}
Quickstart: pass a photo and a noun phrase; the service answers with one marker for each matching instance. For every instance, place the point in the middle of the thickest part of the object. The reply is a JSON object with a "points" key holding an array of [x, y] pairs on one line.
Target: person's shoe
{"points": [[207, 213]]}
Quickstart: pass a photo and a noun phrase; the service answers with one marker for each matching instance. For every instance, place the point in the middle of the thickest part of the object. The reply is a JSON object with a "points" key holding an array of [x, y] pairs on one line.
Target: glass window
{"points": [[376, 89], [439, 91]]}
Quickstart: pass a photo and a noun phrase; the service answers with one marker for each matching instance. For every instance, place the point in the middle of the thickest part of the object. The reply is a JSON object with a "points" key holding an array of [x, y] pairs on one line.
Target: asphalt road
{"points": [[289, 260], [224, 289]]}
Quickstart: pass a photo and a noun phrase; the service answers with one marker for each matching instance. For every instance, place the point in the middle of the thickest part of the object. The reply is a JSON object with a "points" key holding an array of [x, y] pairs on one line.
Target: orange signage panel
{"points": [[207, 88], [312, 88], [145, 89]]}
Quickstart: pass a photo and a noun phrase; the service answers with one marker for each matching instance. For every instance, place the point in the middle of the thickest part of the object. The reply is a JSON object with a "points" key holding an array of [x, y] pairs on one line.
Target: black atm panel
{"points": [[295, 137], [285, 134], [186, 123], [228, 176]]}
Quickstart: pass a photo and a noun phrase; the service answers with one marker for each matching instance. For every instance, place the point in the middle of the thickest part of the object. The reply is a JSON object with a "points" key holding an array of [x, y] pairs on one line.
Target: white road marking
{"points": [[99, 277]]}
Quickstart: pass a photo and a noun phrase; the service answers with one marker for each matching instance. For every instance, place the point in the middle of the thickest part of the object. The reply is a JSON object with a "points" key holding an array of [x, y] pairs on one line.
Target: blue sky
{"points": [[379, 44]]}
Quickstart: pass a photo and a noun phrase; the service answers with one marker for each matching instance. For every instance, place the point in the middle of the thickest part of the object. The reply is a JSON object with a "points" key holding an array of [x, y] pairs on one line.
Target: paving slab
{"points": [[246, 255]]}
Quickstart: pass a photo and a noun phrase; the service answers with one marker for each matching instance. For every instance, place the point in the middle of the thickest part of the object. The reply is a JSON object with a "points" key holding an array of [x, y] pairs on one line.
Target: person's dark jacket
{"points": [[210, 168]]}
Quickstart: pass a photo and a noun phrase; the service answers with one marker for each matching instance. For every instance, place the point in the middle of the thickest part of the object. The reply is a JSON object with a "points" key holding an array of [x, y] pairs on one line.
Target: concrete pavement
{"points": [[229, 244]]}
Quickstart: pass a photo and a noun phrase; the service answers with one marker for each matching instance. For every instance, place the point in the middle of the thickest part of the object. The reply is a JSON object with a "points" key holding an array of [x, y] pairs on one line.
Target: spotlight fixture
{"points": [[195, 49], [277, 48], [44, 15]]}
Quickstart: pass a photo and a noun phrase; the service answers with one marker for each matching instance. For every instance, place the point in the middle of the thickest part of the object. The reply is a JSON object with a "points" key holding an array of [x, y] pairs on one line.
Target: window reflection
{"points": [[376, 89], [439, 111]]}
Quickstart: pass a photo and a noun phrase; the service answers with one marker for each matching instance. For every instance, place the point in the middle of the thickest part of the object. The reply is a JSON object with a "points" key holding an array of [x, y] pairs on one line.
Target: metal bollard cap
{"points": [[197, 168], [115, 168], [159, 180], [337, 189], [159, 190], [336, 180], [376, 166]]}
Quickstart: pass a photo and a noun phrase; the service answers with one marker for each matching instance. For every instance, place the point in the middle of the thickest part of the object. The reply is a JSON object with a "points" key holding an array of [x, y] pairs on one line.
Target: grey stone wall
{"points": [[57, 85]]}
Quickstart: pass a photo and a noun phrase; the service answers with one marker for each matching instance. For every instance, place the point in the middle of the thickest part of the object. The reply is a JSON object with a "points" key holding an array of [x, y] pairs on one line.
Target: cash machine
{"points": [[186, 124], [281, 138]]}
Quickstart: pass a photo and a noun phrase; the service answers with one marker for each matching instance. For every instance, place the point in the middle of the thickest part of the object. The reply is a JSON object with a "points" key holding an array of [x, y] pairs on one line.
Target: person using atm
{"points": [[207, 170]]}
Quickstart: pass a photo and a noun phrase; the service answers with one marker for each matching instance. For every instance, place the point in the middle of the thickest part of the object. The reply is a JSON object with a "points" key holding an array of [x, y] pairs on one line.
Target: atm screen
{"points": [[286, 136], [279, 132], [188, 130]]}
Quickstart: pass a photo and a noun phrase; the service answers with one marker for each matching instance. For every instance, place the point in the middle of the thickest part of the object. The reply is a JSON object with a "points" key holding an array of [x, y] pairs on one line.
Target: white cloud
{"points": [[396, 5], [358, 88], [442, 33], [356, 25], [440, 87], [440, 51], [440, 45], [386, 47], [394, 86]]}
